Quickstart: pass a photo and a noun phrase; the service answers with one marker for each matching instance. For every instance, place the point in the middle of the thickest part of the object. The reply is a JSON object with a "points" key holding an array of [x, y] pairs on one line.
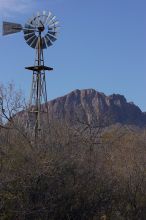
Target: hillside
{"points": [[91, 106]]}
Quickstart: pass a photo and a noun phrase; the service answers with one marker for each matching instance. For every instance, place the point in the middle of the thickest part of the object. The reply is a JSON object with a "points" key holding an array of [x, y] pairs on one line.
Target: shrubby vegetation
{"points": [[74, 173]]}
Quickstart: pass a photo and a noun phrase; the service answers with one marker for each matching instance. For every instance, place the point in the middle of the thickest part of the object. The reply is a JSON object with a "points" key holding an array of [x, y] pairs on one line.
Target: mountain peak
{"points": [[89, 105]]}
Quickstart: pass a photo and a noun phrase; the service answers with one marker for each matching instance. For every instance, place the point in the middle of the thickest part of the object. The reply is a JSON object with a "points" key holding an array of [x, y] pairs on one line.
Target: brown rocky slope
{"points": [[91, 106]]}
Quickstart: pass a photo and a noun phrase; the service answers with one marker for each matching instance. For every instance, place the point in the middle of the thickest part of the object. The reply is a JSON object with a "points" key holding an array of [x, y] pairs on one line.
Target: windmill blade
{"points": [[33, 21], [54, 24], [11, 28], [45, 41], [51, 37], [49, 14], [44, 17], [48, 41], [41, 22], [44, 45], [53, 33], [28, 31], [38, 21], [30, 40], [29, 28], [32, 26], [44, 12], [28, 36], [55, 28], [30, 23], [34, 42], [52, 19], [38, 14]]}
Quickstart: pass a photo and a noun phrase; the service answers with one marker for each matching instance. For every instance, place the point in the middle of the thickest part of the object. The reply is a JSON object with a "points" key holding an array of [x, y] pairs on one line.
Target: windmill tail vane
{"points": [[11, 28]]}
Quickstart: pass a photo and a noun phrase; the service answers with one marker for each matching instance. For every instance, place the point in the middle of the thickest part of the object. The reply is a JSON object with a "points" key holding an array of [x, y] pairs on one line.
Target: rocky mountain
{"points": [[91, 106]]}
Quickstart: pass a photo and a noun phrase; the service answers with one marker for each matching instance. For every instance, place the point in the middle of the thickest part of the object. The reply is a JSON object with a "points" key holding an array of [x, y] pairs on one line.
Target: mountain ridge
{"points": [[89, 105]]}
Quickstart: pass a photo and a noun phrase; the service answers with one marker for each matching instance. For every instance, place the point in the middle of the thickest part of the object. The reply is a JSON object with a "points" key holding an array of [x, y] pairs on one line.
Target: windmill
{"points": [[40, 32]]}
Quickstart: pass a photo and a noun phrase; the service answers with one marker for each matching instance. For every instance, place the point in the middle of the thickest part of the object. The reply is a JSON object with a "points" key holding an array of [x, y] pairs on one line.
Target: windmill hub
{"points": [[41, 29]]}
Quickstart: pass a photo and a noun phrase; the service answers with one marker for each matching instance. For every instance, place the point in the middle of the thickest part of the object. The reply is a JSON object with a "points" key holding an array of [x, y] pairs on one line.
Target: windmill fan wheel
{"points": [[42, 26]]}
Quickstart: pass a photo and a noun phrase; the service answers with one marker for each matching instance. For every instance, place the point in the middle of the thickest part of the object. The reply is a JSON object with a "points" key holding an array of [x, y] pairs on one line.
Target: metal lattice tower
{"points": [[38, 96], [40, 32]]}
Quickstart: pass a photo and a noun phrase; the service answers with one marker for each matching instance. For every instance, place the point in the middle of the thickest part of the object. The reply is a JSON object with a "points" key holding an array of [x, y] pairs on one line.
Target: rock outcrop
{"points": [[91, 106]]}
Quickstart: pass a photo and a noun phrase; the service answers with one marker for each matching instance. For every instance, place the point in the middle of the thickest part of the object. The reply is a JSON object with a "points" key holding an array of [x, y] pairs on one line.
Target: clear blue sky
{"points": [[101, 45]]}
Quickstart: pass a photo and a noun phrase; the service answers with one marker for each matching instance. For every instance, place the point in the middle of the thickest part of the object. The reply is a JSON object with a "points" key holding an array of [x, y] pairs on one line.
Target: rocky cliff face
{"points": [[92, 106]]}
